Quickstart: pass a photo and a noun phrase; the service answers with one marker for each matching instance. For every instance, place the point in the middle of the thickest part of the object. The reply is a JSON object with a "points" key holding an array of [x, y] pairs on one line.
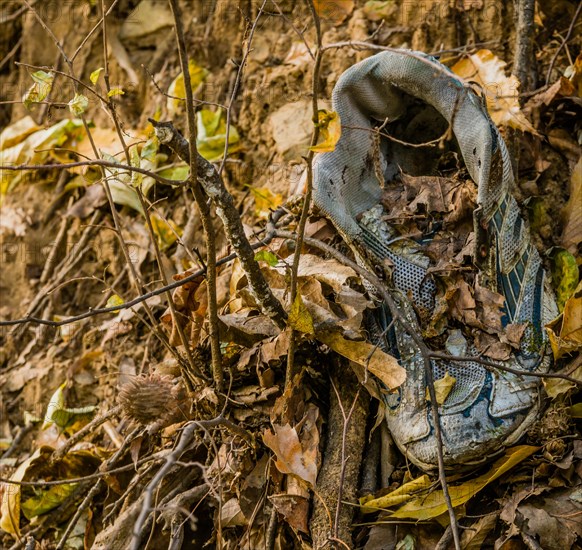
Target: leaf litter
{"points": [[282, 457]]}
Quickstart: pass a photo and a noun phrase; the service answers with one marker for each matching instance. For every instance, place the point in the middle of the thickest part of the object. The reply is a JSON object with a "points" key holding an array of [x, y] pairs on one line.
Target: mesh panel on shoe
{"points": [[470, 377], [509, 244]]}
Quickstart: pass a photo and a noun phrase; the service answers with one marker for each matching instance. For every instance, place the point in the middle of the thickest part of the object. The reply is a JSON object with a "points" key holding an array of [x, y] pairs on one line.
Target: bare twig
{"points": [[308, 191], [203, 207], [94, 162], [11, 53], [235, 88], [344, 458], [564, 41], [185, 439]]}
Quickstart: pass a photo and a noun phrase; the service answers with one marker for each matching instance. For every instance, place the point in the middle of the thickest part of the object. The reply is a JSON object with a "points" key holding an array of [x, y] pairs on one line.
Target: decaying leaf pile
{"points": [[113, 436]]}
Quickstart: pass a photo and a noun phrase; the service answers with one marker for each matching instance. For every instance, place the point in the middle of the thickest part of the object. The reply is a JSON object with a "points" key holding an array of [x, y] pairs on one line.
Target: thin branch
{"points": [[94, 162], [290, 372], [564, 41], [185, 439], [11, 53], [203, 208], [195, 371], [237, 84], [344, 458], [80, 511]]}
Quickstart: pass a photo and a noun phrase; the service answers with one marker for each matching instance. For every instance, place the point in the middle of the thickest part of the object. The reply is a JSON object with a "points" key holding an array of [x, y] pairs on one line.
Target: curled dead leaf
{"points": [[501, 91], [291, 456]]}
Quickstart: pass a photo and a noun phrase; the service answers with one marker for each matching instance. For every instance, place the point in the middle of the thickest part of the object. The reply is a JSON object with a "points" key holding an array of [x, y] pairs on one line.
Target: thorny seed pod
{"points": [[149, 399]]}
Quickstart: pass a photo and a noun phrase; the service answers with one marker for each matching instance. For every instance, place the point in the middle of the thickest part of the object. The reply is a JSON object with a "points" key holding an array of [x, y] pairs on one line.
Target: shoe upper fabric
{"points": [[485, 410]]}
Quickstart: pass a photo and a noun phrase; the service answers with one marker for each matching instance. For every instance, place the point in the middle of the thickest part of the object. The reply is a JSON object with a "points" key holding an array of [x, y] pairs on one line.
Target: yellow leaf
{"points": [[576, 410], [17, 132], [380, 364], [115, 91], [572, 322], [572, 213], [330, 130], [34, 149], [178, 91], [442, 387], [265, 201], [431, 504], [565, 331], [403, 494], [94, 76], [167, 232], [557, 386], [501, 92], [299, 318], [114, 300], [10, 507], [37, 501]]}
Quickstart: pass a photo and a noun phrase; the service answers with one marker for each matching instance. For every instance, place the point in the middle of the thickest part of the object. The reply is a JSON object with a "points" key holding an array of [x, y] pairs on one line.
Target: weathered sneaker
{"points": [[486, 410]]}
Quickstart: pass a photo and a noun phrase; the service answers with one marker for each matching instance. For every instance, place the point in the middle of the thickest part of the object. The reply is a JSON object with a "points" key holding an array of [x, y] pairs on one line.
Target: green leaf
{"points": [[41, 88], [299, 317], [56, 403], [266, 256], [407, 543], [564, 275], [115, 91], [57, 413], [47, 500], [148, 160], [39, 500], [211, 135], [177, 173], [94, 76], [78, 105], [377, 10]]}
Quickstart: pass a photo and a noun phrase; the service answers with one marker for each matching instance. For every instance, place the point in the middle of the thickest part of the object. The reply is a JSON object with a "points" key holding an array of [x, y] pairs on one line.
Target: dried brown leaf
{"points": [[572, 213], [379, 363], [501, 92], [291, 456]]}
